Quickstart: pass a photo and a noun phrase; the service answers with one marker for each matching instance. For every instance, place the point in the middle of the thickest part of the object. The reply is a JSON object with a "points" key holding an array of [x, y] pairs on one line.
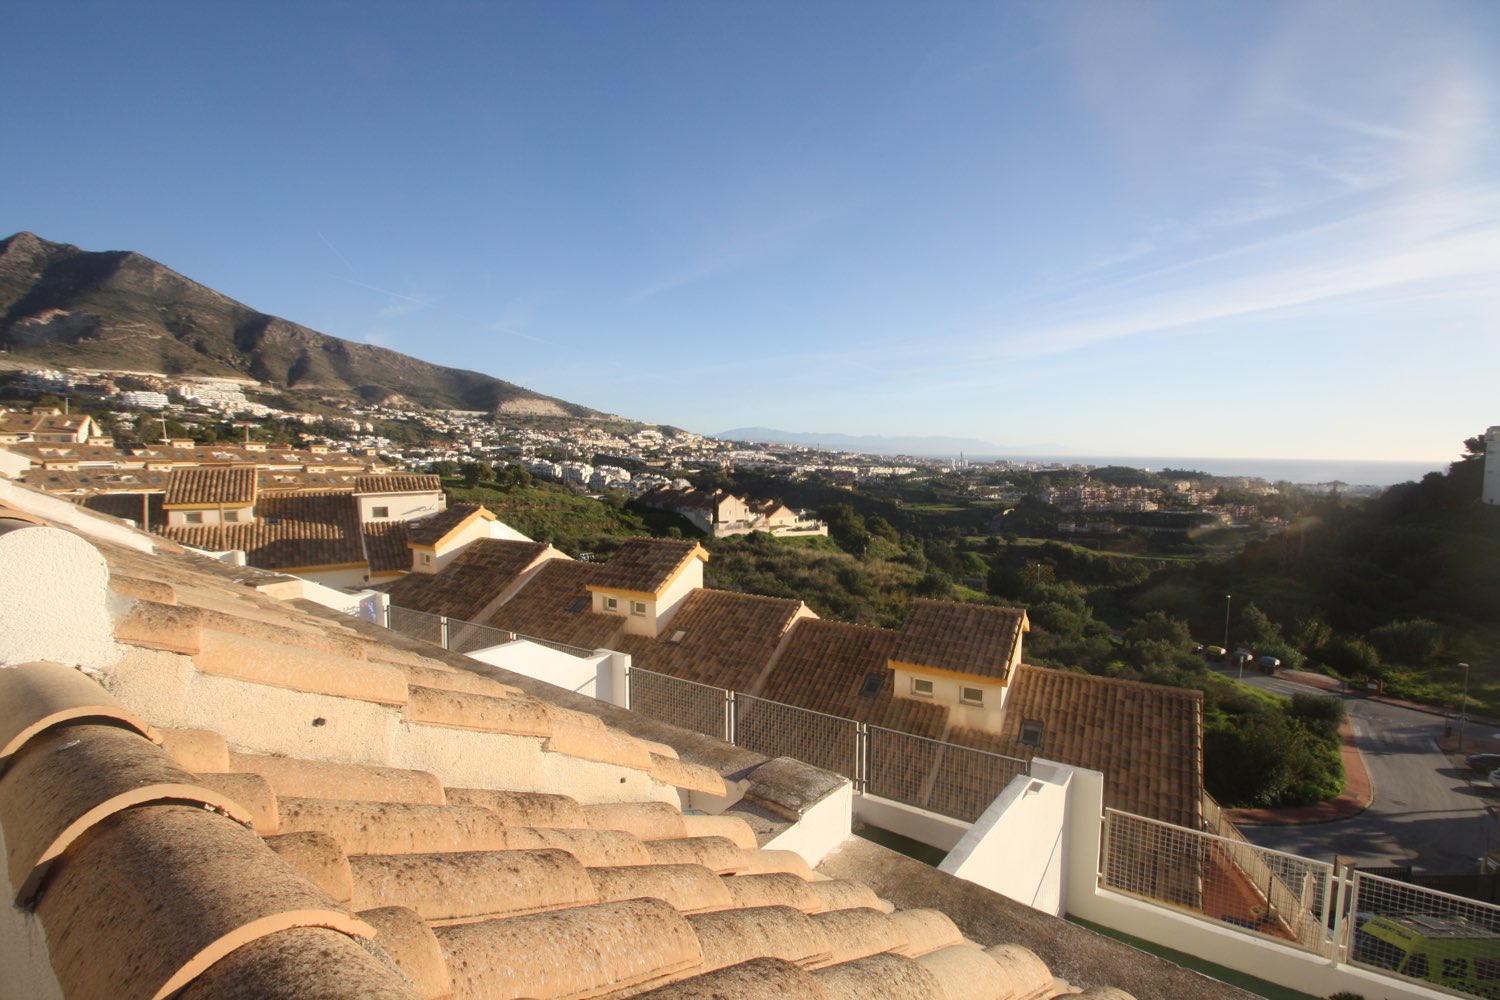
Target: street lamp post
{"points": [[1463, 709], [1226, 633]]}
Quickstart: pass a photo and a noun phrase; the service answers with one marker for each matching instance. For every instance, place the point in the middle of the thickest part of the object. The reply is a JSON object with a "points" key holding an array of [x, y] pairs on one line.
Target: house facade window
{"points": [[380, 512], [611, 604], [638, 607], [193, 517], [921, 687], [971, 696], [426, 558], [231, 516]]}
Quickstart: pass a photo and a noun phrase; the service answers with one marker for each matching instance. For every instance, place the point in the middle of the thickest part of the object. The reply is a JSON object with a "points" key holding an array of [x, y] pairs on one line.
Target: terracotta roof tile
{"points": [[210, 484], [555, 605], [385, 546], [290, 531], [469, 584], [429, 530], [717, 637], [398, 483], [967, 638], [844, 670], [644, 565], [1145, 738]]}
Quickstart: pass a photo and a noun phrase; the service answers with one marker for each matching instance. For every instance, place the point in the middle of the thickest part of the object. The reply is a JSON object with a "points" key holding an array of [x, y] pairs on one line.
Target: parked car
{"points": [[1483, 762]]}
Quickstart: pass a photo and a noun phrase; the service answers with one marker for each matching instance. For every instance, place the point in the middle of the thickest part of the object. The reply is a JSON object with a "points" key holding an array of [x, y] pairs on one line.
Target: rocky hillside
{"points": [[61, 306]]}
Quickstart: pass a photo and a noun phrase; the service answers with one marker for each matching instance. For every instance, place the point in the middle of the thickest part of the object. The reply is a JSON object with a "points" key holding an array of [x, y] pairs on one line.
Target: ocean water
{"points": [[1293, 470]]}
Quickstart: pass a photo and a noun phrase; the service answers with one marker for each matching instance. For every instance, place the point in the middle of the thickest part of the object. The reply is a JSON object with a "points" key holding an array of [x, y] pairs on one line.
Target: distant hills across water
{"points": [[1293, 470]]}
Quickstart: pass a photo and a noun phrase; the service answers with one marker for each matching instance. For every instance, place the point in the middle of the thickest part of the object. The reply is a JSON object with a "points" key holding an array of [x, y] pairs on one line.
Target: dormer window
{"points": [[638, 608], [921, 687], [611, 604]]}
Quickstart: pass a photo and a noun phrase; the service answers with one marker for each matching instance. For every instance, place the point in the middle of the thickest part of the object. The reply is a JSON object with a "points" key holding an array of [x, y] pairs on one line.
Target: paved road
{"points": [[1426, 812]]}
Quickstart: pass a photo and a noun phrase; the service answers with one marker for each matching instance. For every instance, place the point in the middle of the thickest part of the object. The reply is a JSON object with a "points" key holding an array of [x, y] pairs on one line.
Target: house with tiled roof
{"points": [[437, 539], [210, 494], [483, 576], [960, 656], [47, 425], [720, 514], [398, 496], [1147, 739], [314, 535], [207, 792], [645, 581], [718, 637], [845, 670], [557, 606]]}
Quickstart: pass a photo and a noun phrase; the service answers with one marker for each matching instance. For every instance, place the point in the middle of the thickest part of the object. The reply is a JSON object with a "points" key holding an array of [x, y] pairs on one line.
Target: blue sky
{"points": [[1248, 229]]}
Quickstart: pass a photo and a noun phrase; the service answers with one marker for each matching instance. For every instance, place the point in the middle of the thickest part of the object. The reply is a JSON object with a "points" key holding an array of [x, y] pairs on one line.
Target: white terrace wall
{"points": [[1017, 847], [579, 674], [1205, 939]]}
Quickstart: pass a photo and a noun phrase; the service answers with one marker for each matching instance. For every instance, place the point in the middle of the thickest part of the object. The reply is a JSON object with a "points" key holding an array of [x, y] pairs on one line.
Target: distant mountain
{"points": [[65, 307], [869, 444]]}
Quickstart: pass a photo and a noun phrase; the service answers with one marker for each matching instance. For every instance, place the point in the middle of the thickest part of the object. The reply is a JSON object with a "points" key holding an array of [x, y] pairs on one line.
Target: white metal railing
{"points": [[1266, 892], [1421, 934], [946, 778]]}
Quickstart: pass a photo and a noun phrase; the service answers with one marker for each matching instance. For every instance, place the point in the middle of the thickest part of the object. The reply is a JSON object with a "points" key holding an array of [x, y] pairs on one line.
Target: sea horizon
{"points": [[1292, 470]]}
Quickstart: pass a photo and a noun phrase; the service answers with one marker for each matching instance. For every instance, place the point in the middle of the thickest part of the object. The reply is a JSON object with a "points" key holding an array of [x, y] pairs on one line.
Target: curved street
{"points": [[1426, 812]]}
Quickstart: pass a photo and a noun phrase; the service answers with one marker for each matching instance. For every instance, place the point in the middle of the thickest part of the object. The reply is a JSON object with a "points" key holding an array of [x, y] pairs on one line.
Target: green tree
{"points": [[475, 473]]}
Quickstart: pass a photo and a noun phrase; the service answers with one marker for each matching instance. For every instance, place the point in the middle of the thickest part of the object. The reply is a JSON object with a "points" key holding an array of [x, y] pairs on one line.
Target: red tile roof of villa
{"points": [[645, 565], [844, 670], [963, 638], [431, 529], [555, 605], [717, 637], [1147, 739], [386, 547], [211, 484], [397, 482], [291, 531], [475, 578]]}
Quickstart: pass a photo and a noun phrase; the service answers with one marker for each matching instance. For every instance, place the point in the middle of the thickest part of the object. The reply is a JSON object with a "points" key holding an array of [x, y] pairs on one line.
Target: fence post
{"points": [[629, 704], [861, 761], [731, 730], [390, 612], [1101, 880], [443, 631]]}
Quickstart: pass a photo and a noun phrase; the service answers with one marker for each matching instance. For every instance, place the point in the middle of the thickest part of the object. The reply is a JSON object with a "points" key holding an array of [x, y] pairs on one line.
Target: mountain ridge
{"points": [[62, 305]]}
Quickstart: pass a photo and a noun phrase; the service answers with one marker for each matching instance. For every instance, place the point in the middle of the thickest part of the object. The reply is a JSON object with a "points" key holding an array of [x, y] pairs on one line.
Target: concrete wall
{"points": [[822, 827], [935, 829], [13, 466], [574, 673], [1017, 846]]}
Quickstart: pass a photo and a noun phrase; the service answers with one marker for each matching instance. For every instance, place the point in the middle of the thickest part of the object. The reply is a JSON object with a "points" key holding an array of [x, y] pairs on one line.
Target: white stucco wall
{"points": [[820, 829], [573, 673], [399, 506], [13, 466], [42, 572], [1017, 846]]}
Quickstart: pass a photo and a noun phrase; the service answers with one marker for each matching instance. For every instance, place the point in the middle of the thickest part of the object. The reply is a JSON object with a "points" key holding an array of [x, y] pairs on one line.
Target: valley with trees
{"points": [[1393, 591]]}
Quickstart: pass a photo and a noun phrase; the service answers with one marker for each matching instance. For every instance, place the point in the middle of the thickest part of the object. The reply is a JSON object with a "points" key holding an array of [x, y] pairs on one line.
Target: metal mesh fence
{"points": [[953, 780], [417, 624], [1267, 892], [688, 704], [778, 730], [466, 637], [1425, 935]]}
